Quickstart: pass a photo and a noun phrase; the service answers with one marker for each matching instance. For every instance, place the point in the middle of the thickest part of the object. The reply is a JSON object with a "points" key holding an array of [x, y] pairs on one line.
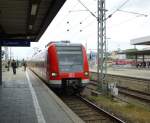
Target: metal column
{"points": [[143, 58], [136, 58], [6, 53], [0, 65], [101, 43]]}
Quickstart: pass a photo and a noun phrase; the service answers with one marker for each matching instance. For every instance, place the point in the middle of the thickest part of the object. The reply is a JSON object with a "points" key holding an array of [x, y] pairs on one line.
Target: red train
{"points": [[61, 65]]}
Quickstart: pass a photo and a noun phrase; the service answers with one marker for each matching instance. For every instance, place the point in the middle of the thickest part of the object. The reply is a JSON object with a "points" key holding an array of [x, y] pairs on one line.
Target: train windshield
{"points": [[70, 58]]}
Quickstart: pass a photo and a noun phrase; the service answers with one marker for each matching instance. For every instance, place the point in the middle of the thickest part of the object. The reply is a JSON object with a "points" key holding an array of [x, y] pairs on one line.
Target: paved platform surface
{"points": [[25, 99], [138, 73]]}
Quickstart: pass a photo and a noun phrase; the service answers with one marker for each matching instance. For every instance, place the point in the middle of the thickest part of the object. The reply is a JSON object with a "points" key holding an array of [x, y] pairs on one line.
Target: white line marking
{"points": [[38, 111]]}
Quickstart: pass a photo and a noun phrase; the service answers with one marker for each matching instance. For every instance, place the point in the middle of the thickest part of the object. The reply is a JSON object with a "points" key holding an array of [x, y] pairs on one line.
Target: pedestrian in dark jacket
{"points": [[14, 66], [25, 65], [8, 63]]}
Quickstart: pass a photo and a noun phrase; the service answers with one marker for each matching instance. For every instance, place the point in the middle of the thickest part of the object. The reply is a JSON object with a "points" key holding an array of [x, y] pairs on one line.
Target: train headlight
{"points": [[54, 74], [86, 73]]}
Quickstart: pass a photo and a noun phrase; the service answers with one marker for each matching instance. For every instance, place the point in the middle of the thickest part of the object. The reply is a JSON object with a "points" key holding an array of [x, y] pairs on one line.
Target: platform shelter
{"points": [[141, 41], [24, 21]]}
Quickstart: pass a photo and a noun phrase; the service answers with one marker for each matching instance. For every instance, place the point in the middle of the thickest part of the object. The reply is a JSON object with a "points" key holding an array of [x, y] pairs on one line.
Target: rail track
{"points": [[129, 92], [88, 111], [131, 82], [134, 93]]}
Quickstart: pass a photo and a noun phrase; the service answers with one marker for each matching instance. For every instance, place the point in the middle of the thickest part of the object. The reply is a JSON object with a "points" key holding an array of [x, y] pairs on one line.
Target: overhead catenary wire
{"points": [[130, 12], [136, 13], [68, 13], [78, 24], [108, 15], [74, 27], [78, 32], [123, 4], [68, 29], [125, 21], [118, 9], [95, 15], [87, 9], [85, 19], [89, 24], [81, 22]]}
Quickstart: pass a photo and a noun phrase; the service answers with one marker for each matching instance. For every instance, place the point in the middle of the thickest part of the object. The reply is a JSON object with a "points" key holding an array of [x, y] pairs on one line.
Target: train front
{"points": [[69, 66]]}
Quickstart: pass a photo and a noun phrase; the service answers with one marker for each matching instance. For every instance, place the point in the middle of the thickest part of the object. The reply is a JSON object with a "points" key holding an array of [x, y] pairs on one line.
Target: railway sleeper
{"points": [[99, 118], [72, 102], [135, 95], [86, 112], [81, 111], [80, 108], [76, 105], [89, 113]]}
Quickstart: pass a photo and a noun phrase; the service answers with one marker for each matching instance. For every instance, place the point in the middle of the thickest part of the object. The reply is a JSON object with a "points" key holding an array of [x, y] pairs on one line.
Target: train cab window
{"points": [[70, 58]]}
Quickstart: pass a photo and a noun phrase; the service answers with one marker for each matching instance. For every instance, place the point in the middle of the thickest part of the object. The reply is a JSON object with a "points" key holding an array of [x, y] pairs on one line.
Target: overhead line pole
{"points": [[98, 43], [101, 40], [101, 43]]}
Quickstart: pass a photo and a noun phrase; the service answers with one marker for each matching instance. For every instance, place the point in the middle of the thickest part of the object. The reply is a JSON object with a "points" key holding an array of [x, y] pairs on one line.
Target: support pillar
{"points": [[136, 58], [143, 57], [0, 65]]}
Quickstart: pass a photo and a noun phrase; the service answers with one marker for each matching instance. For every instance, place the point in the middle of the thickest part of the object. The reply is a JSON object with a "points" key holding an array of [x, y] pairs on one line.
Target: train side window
{"points": [[47, 58]]}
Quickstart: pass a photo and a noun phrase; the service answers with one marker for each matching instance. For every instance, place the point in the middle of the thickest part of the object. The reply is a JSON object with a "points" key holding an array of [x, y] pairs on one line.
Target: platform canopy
{"points": [[141, 41], [26, 19], [136, 52]]}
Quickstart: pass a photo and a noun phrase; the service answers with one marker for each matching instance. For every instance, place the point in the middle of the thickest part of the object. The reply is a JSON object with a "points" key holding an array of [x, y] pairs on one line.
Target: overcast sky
{"points": [[81, 27]]}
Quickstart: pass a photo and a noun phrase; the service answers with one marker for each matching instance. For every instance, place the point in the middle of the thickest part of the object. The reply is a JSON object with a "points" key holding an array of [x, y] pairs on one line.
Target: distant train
{"points": [[124, 62], [62, 65]]}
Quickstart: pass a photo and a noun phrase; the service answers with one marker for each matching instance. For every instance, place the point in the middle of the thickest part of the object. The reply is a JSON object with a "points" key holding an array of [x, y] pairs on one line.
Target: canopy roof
{"points": [[138, 52], [26, 19], [141, 41]]}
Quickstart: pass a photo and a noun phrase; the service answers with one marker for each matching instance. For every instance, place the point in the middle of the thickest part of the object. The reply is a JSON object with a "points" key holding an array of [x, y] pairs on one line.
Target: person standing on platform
{"points": [[14, 66]]}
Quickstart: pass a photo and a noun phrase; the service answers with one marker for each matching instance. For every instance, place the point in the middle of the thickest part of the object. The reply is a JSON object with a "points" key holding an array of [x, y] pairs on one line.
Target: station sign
{"points": [[15, 43]]}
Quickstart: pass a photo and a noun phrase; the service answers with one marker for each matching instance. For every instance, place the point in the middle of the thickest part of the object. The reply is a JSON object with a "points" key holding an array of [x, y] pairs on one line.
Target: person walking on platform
{"points": [[8, 63], [24, 64], [148, 64], [14, 66]]}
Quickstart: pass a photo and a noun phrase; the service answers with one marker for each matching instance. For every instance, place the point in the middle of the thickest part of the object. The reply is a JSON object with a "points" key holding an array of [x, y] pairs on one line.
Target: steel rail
{"points": [[118, 120]]}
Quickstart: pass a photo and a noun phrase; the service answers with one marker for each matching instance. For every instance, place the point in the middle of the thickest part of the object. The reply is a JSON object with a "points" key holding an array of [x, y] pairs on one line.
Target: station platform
{"points": [[24, 98], [135, 73]]}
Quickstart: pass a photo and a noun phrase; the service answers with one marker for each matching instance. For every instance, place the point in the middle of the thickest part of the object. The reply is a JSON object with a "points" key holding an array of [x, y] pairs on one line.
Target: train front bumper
{"points": [[58, 83]]}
